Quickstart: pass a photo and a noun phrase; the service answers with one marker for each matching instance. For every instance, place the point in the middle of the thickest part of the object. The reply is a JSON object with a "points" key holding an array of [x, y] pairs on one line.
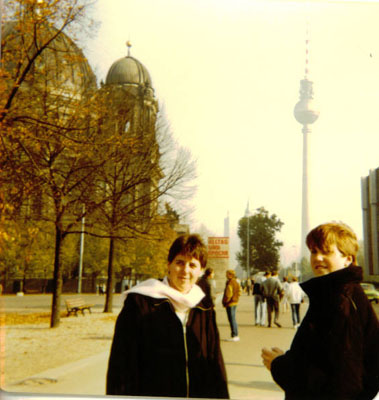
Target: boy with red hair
{"points": [[335, 352]]}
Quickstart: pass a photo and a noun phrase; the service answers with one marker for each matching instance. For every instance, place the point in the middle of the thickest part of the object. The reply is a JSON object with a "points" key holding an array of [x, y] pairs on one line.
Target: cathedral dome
{"points": [[74, 69], [128, 70]]}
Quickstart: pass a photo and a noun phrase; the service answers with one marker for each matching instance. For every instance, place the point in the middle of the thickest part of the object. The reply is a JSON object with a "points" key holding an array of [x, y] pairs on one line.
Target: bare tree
{"points": [[142, 167]]}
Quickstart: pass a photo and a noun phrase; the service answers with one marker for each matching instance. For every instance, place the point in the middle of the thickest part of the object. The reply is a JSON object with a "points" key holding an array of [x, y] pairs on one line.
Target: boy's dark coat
{"points": [[335, 353]]}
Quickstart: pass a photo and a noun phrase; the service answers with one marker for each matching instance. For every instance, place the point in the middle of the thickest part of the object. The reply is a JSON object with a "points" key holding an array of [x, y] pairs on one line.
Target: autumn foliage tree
{"points": [[47, 142], [61, 158]]}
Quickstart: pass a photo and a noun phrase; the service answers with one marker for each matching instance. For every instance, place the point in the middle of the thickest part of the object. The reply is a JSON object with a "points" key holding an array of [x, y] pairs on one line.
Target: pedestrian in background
{"points": [[249, 285], [295, 296], [335, 351], [272, 291], [230, 299], [166, 342], [259, 300], [206, 284]]}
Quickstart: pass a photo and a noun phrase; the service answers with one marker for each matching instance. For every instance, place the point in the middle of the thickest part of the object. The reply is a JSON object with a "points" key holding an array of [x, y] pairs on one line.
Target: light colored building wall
{"points": [[370, 210]]}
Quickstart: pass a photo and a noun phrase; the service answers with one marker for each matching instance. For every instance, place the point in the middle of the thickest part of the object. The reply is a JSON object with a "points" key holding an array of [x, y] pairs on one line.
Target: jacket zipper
{"points": [[186, 356], [184, 325]]}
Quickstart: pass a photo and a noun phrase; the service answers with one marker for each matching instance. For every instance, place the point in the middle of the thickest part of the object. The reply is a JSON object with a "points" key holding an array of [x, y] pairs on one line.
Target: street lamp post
{"points": [[247, 251], [247, 214], [81, 253]]}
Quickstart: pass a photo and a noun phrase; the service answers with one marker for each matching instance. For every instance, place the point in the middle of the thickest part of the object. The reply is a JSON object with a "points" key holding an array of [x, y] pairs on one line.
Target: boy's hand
{"points": [[269, 355]]}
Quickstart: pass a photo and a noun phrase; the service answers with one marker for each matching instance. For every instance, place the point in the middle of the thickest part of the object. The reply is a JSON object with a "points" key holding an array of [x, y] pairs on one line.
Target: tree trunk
{"points": [[57, 281], [110, 282], [23, 282]]}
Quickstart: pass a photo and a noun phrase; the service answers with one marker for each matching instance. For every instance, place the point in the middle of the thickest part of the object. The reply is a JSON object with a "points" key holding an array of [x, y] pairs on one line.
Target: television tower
{"points": [[306, 114]]}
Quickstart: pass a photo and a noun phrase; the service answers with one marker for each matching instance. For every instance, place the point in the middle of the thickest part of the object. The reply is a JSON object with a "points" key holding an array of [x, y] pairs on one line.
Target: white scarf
{"points": [[158, 290]]}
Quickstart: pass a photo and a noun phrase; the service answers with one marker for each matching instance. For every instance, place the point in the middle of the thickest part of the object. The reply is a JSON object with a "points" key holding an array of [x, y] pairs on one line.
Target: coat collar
{"points": [[315, 286]]}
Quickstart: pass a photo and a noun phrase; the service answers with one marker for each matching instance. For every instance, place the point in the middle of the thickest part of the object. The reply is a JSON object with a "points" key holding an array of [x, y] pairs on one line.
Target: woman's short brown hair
{"points": [[325, 235], [189, 245]]}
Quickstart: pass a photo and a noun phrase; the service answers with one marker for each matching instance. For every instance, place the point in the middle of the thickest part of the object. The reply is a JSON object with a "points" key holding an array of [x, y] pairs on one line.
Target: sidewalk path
{"points": [[247, 377]]}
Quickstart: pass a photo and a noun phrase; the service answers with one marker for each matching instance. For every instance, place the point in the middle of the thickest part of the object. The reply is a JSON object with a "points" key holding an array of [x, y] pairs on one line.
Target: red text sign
{"points": [[218, 247]]}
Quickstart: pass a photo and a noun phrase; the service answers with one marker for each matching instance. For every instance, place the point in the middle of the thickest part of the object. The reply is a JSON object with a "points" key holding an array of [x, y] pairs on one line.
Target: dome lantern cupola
{"points": [[129, 71]]}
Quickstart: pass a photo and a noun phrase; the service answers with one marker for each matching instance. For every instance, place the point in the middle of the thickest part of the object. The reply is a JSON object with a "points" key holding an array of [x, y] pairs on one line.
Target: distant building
{"points": [[132, 111], [47, 98], [181, 229], [370, 209], [226, 226], [130, 106]]}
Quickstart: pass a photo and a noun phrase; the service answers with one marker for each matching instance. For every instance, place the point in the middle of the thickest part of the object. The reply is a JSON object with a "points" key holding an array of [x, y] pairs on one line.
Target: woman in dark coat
{"points": [[166, 340]]}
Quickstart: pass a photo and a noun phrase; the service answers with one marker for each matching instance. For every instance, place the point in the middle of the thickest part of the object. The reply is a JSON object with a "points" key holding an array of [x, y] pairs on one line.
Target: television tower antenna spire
{"points": [[306, 113]]}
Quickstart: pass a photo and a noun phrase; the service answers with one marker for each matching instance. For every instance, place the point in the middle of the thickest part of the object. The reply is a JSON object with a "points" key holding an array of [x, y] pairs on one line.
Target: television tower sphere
{"points": [[305, 110]]}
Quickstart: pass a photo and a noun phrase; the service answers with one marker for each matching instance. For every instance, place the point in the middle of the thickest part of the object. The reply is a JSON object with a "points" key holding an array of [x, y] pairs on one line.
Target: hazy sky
{"points": [[228, 72]]}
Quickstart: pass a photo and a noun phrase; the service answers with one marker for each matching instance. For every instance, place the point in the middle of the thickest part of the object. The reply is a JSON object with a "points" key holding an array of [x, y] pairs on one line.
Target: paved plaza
{"points": [[247, 377]]}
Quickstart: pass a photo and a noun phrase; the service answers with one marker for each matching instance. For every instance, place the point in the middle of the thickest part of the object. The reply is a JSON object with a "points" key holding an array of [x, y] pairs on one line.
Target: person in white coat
{"points": [[295, 296]]}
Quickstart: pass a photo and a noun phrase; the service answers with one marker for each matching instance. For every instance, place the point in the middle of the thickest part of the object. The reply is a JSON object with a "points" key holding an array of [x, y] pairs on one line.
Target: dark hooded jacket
{"points": [[151, 355], [206, 287], [335, 352]]}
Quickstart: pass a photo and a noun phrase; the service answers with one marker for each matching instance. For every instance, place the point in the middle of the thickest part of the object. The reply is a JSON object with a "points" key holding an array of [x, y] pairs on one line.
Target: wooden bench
{"points": [[32, 291], [77, 304]]}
